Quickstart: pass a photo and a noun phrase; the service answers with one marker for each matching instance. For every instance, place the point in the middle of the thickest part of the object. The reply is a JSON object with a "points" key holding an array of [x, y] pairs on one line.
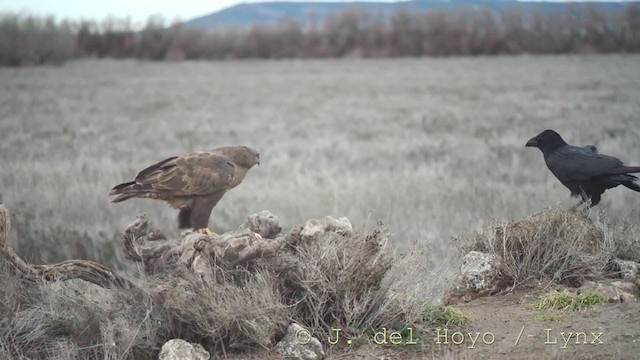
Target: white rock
{"points": [[613, 290], [628, 270], [479, 270], [178, 349], [299, 344]]}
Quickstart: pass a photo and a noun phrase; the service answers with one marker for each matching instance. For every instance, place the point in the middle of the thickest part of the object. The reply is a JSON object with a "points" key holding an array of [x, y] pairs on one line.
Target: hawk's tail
{"points": [[125, 191]]}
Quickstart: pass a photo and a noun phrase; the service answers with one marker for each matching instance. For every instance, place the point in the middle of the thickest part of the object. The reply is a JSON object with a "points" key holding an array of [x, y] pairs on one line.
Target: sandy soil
{"points": [[508, 326], [612, 331]]}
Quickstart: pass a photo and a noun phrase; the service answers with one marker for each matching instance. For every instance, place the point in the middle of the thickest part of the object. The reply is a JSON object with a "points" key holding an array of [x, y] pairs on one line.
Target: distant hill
{"points": [[272, 12]]}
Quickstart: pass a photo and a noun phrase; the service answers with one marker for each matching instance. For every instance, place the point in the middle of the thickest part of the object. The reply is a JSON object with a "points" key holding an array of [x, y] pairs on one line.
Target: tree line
{"points": [[355, 32]]}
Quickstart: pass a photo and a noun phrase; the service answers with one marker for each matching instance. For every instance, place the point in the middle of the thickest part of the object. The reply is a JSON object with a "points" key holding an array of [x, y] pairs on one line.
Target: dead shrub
{"points": [[337, 281], [330, 279], [222, 317], [72, 320], [563, 246], [624, 239]]}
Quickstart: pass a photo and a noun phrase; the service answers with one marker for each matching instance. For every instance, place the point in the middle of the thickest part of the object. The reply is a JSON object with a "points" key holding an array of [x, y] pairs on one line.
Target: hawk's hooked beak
{"points": [[533, 142]]}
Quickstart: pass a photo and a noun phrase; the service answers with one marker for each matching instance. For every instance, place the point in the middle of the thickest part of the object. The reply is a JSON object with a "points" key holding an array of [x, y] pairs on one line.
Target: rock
{"points": [[627, 270], [264, 223], [479, 271], [612, 290], [627, 291], [178, 349], [608, 292], [317, 227], [299, 344]]}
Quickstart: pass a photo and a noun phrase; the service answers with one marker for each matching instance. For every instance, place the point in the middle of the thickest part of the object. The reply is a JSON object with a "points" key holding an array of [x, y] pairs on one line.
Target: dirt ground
{"points": [[507, 316], [508, 326]]}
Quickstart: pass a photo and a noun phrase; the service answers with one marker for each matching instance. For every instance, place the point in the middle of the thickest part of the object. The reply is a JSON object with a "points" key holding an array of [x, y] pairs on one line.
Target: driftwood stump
{"points": [[72, 269], [199, 253], [193, 252]]}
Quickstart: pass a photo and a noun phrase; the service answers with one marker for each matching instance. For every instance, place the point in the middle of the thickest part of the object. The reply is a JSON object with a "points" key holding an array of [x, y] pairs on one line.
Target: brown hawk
{"points": [[193, 182]]}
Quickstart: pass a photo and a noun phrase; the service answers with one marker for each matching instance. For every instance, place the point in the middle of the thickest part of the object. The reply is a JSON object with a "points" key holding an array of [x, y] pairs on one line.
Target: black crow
{"points": [[581, 169]]}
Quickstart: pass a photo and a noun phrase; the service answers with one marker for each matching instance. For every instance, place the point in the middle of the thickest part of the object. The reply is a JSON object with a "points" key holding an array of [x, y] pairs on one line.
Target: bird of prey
{"points": [[193, 182], [582, 169]]}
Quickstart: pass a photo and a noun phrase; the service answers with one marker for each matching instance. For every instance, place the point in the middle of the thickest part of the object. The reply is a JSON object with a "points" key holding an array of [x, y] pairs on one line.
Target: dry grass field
{"points": [[432, 147]]}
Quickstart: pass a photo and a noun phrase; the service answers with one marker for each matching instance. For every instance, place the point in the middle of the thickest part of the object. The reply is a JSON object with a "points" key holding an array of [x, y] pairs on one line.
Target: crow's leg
{"points": [[576, 206]]}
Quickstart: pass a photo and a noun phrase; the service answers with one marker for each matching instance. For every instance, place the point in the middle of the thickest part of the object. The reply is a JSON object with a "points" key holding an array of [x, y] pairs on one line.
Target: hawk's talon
{"points": [[206, 231]]}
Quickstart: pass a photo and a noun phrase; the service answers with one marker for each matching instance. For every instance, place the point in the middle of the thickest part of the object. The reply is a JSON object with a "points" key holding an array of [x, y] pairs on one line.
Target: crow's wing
{"points": [[590, 148], [571, 163]]}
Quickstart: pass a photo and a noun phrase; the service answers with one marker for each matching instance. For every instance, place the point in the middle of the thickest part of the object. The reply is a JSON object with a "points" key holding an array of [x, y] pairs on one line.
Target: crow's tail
{"points": [[626, 170], [631, 185]]}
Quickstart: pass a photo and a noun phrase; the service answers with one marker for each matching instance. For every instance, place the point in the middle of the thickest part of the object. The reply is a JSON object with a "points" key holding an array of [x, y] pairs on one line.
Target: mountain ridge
{"points": [[270, 12]]}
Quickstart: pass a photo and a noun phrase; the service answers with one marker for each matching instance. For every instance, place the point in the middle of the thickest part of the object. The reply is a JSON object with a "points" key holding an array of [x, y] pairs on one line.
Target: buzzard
{"points": [[193, 182], [584, 171]]}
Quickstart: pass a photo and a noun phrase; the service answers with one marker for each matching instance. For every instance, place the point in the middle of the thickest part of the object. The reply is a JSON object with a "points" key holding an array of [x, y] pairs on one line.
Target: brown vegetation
{"points": [[556, 246], [232, 292], [28, 40]]}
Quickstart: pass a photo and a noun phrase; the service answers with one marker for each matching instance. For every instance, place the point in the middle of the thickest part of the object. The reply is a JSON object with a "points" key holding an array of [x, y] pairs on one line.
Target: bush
{"points": [[323, 281], [563, 246]]}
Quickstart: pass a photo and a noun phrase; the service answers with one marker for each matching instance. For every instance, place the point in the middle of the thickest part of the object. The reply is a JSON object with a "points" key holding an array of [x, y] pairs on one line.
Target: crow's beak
{"points": [[533, 142]]}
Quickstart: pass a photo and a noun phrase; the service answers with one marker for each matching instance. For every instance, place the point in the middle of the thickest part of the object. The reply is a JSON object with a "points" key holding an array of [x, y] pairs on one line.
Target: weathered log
{"points": [[259, 249], [264, 223], [199, 254], [136, 247], [71, 269], [5, 227]]}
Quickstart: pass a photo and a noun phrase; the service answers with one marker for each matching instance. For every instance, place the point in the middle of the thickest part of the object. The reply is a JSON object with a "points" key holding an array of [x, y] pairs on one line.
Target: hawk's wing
{"points": [[198, 173]]}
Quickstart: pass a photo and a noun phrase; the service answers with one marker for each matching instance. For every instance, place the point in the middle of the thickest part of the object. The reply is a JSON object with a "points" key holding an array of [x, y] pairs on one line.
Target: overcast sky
{"points": [[137, 10]]}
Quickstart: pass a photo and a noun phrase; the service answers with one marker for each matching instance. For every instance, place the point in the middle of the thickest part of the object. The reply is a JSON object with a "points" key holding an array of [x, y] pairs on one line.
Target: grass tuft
{"points": [[553, 316], [566, 301], [444, 315]]}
